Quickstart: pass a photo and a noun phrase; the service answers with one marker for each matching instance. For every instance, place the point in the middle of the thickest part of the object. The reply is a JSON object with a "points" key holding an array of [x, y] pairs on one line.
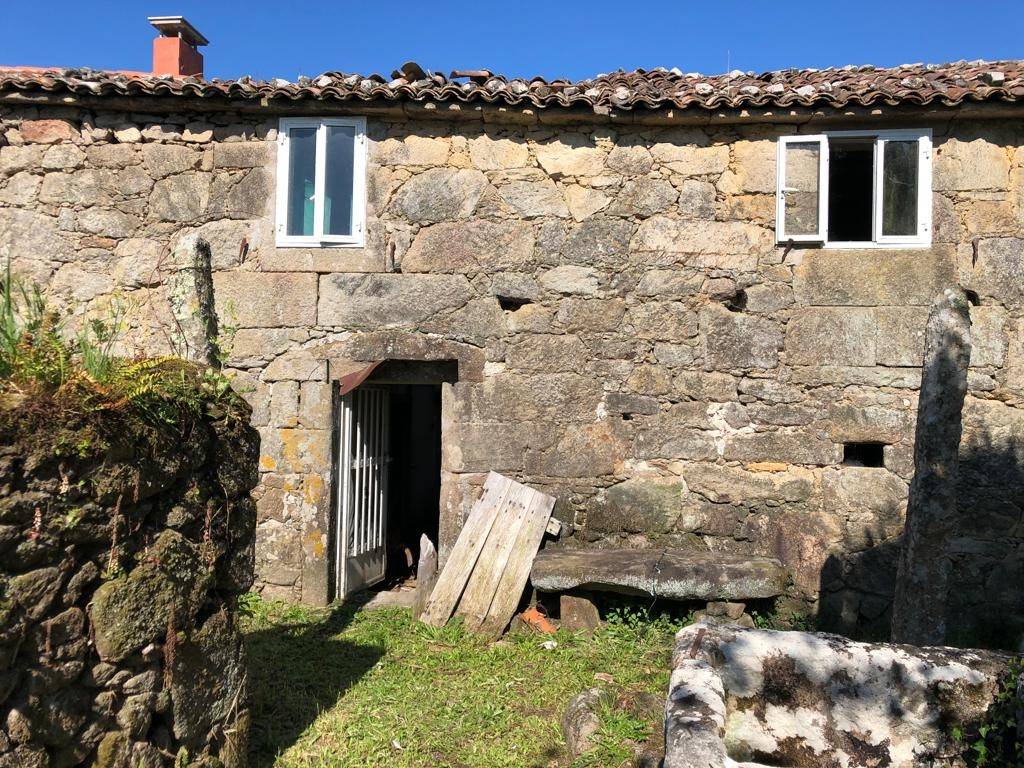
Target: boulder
{"points": [[802, 698], [577, 613], [668, 573], [580, 723], [440, 194]]}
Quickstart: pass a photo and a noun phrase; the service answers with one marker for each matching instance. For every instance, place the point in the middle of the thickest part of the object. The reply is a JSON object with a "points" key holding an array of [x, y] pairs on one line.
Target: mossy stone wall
{"points": [[123, 548]]}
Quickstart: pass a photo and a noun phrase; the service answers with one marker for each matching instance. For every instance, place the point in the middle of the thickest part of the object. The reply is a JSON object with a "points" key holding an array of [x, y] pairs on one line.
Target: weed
{"points": [[794, 621], [615, 739], [996, 743], [73, 517], [631, 624]]}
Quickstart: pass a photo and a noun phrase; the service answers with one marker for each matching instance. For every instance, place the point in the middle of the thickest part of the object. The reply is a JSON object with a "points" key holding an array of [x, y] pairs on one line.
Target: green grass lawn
{"points": [[345, 687]]}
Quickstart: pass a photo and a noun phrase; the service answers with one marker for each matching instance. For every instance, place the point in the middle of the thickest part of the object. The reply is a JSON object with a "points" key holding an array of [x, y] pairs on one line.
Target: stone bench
{"points": [[672, 574]]}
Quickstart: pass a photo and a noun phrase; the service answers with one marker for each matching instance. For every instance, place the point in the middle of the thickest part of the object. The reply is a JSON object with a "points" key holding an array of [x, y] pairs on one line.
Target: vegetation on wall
{"points": [[997, 743], [64, 379]]}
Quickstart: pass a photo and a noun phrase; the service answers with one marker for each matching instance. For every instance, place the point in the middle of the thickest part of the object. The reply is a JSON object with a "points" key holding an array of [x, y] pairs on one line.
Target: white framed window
{"points": [[321, 182], [855, 189]]}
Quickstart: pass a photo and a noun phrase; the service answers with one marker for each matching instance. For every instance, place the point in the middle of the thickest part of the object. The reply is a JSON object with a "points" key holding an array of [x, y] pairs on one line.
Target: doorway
{"points": [[388, 473]]}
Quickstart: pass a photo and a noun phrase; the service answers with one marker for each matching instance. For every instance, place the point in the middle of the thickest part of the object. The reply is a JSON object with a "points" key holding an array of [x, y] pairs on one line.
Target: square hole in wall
{"points": [[863, 455]]}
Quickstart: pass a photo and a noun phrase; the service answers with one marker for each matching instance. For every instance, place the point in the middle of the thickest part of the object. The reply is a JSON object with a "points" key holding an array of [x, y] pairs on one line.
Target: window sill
{"points": [[317, 245], [857, 246], [294, 259]]}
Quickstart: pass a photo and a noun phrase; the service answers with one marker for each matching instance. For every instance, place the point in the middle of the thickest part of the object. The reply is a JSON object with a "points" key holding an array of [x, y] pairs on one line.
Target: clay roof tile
{"points": [[945, 84]]}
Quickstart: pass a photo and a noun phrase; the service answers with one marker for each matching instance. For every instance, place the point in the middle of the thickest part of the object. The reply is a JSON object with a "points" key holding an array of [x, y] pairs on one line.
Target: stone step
{"points": [[670, 573]]}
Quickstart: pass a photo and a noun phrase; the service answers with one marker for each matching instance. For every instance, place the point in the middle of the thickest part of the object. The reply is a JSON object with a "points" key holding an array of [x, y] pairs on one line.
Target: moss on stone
{"points": [[167, 587], [112, 751]]}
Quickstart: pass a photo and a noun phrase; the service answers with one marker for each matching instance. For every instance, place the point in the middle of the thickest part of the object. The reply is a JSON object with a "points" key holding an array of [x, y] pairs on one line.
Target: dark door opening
{"points": [[388, 491], [414, 480]]}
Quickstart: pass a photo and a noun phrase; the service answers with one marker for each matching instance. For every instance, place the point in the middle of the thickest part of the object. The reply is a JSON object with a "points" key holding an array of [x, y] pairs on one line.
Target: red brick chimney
{"points": [[176, 50]]}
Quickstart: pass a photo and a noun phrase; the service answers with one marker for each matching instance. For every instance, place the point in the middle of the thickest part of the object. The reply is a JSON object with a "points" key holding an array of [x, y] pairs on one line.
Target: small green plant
{"points": [[95, 341], [225, 342], [636, 624], [30, 346], [793, 621], [995, 743], [73, 517]]}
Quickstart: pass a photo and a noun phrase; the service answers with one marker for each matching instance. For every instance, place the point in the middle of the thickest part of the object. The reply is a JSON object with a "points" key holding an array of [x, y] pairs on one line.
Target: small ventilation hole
{"points": [[510, 304], [863, 455], [737, 302]]}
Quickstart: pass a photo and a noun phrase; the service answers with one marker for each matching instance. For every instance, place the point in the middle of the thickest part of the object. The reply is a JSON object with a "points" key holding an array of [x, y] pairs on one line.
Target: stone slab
{"points": [[669, 573], [869, 278]]}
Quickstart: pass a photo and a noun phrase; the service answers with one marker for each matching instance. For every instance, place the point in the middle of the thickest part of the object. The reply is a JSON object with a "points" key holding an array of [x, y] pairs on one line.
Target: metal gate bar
{"points": [[363, 429]]}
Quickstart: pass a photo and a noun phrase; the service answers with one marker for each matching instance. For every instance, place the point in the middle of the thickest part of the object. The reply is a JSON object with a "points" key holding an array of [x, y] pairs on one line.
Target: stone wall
{"points": [[122, 552], [630, 338]]}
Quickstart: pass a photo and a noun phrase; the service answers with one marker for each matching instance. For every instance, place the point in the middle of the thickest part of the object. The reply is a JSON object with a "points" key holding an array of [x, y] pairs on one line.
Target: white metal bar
{"points": [[876, 189], [367, 478], [339, 496], [371, 483], [371, 475], [367, 473], [345, 491], [385, 472], [358, 474], [381, 462]]}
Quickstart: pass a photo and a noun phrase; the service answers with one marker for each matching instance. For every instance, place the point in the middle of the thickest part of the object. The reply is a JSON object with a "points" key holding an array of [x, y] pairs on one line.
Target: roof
{"points": [[914, 84]]}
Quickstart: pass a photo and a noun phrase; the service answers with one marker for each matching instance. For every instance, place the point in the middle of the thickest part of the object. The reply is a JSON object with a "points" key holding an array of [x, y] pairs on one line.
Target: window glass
{"points": [[802, 160], [899, 188], [338, 181], [301, 180]]}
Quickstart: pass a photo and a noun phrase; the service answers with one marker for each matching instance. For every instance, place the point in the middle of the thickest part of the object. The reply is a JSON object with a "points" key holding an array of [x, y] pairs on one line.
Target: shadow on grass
{"points": [[297, 671]]}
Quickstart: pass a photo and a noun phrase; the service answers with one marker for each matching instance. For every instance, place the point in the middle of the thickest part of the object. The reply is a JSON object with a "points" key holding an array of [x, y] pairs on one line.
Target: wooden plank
{"points": [[464, 554], [479, 592], [517, 569]]}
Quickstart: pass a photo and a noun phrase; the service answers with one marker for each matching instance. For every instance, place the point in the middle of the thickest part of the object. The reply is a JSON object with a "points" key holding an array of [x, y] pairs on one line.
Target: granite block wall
{"points": [[620, 310]]}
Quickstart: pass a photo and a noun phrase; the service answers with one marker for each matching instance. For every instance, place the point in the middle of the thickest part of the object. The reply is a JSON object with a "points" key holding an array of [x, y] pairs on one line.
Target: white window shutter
{"points": [[801, 196]]}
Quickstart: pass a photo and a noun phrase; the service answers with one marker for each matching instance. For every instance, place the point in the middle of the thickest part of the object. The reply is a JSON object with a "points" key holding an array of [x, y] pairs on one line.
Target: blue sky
{"points": [[573, 39]]}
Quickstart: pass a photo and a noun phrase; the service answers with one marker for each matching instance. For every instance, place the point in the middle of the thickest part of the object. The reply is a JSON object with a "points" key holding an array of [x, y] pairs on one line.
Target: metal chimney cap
{"points": [[178, 26]]}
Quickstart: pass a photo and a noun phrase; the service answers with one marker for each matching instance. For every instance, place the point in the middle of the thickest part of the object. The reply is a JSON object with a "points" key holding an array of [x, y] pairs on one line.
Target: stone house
{"points": [[690, 307]]}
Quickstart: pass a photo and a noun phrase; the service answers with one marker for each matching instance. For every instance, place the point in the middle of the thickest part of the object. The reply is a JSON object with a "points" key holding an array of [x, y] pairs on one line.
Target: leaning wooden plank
{"points": [[517, 570], [459, 566], [479, 592]]}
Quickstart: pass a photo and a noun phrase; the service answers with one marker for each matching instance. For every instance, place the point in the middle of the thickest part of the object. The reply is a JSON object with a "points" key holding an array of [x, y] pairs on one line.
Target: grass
{"points": [[343, 687]]}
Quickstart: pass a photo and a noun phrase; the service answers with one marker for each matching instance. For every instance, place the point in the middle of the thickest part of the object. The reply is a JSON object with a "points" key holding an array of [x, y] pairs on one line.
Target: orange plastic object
{"points": [[537, 621]]}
